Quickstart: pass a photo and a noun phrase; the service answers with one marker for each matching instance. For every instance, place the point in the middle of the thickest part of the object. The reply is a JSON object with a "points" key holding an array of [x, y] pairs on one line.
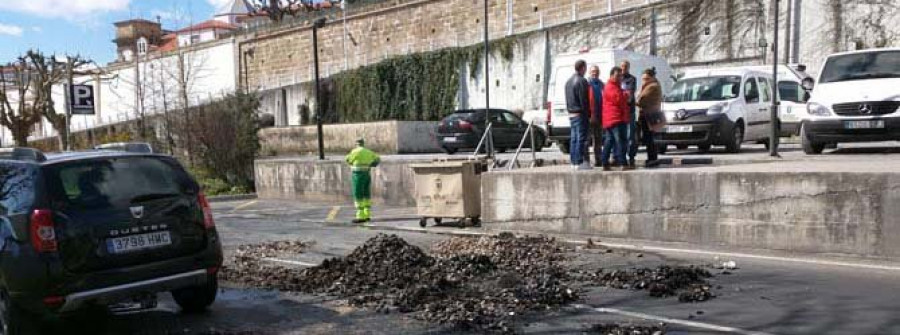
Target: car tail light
{"points": [[208, 221], [43, 232], [54, 301], [465, 125]]}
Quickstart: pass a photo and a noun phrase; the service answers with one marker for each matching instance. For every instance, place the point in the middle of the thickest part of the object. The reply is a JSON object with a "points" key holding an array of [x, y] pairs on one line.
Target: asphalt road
{"points": [[774, 295]]}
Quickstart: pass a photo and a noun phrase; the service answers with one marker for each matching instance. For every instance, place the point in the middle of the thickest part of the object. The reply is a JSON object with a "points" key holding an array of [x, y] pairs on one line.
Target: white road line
{"points": [[751, 256], [244, 205], [687, 323], [285, 261], [677, 250]]}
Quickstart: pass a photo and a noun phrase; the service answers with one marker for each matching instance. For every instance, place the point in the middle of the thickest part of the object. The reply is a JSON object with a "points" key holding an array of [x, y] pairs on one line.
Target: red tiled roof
{"points": [[169, 42], [207, 25]]}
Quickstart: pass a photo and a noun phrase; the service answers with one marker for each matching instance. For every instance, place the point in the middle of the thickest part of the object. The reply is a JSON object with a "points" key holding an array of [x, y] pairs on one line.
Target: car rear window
{"points": [[17, 183], [116, 182], [457, 116]]}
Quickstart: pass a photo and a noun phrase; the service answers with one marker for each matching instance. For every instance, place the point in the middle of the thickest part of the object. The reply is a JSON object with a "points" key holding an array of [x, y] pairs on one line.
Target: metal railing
{"points": [[484, 139], [529, 134]]}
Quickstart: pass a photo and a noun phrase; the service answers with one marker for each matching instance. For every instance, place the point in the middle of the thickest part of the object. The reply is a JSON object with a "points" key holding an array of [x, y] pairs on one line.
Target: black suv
{"points": [[100, 228]]}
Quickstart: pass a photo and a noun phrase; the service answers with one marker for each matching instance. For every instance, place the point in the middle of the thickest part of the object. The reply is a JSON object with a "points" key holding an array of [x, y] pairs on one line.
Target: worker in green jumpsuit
{"points": [[361, 162]]}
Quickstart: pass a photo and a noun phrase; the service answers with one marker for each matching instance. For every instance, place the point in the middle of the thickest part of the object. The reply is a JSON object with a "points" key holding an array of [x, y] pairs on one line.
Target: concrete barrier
{"points": [[807, 212], [388, 137], [393, 182]]}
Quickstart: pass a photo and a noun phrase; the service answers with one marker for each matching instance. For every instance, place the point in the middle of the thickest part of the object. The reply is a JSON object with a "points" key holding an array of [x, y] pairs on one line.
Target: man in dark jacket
{"points": [[577, 90], [596, 101], [629, 85], [616, 117]]}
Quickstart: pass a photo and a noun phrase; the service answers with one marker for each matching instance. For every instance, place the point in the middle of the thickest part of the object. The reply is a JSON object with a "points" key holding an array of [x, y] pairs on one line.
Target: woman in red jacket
{"points": [[616, 116]]}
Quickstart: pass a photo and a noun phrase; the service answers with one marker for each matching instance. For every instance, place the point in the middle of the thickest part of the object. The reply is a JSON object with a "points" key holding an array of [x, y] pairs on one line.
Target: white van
{"points": [[857, 99], [792, 96], [564, 66], [717, 107]]}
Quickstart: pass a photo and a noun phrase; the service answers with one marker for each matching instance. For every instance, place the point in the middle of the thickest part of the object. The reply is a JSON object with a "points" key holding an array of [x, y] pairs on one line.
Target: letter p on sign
{"points": [[82, 99]]}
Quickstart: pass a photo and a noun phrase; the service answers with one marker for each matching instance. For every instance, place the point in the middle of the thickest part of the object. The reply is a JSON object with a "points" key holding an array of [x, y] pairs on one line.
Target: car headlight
{"points": [[816, 109], [718, 108]]}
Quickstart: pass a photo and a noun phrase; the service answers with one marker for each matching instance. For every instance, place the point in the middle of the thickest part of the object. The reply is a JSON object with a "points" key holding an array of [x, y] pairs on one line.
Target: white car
{"points": [[718, 107], [856, 99], [557, 119]]}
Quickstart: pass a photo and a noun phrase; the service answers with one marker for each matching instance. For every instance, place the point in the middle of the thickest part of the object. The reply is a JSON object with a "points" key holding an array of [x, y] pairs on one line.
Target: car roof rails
{"points": [[22, 154], [136, 147]]}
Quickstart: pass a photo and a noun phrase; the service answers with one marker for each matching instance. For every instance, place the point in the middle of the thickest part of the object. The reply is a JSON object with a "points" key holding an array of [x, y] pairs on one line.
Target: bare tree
{"points": [[47, 73], [276, 10], [17, 108]]}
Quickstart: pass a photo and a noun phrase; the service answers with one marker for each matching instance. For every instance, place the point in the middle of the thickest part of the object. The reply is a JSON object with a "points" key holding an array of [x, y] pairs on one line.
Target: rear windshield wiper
{"points": [[153, 196]]}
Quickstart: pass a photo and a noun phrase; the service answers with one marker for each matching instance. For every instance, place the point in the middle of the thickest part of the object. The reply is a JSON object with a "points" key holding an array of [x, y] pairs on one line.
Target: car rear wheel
{"points": [[810, 147], [196, 299], [538, 143], [13, 319], [449, 151]]}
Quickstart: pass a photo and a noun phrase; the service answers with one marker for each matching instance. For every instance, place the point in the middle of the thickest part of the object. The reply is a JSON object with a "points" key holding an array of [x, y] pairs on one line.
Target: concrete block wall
{"points": [[393, 182], [846, 213], [387, 137]]}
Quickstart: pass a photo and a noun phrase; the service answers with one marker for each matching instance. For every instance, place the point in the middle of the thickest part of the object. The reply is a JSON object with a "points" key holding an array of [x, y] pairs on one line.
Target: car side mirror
{"points": [[808, 83], [752, 98], [806, 96]]}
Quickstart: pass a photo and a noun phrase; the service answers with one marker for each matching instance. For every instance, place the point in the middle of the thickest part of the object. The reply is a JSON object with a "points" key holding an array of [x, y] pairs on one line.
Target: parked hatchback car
{"points": [[101, 228], [856, 100], [463, 129]]}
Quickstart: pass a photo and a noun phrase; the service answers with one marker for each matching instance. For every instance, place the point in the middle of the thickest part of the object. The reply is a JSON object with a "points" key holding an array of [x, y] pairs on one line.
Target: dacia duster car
{"points": [[100, 228]]}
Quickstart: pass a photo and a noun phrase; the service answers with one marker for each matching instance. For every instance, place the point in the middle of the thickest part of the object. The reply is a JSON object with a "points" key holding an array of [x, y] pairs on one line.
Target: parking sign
{"points": [[82, 99]]}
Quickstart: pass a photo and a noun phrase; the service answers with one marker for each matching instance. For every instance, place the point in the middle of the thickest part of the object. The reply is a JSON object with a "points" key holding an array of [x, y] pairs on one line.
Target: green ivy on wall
{"points": [[415, 87]]}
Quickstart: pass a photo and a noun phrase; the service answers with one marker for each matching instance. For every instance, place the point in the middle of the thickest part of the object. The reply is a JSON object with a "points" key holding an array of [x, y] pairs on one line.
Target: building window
{"points": [[195, 39], [142, 46]]}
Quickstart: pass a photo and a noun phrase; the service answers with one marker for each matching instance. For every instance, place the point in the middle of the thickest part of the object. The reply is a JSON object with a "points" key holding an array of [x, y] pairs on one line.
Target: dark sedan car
{"points": [[463, 129]]}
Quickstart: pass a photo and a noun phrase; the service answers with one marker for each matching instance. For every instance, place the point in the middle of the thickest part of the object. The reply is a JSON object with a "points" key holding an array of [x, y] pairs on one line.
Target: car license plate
{"points": [[867, 124], [450, 139], [132, 243], [679, 129]]}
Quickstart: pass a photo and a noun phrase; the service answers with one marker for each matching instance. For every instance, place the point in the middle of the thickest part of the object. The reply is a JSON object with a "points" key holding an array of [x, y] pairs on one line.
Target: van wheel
{"points": [[564, 147], [810, 147], [196, 299], [13, 319], [737, 138]]}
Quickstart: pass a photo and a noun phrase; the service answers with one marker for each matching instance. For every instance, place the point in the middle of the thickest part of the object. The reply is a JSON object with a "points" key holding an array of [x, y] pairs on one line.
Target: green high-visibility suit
{"points": [[361, 162]]}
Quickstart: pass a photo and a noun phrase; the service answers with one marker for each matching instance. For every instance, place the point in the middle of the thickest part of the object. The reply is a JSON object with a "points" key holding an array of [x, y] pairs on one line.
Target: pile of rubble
{"points": [[471, 283], [626, 329], [687, 282]]}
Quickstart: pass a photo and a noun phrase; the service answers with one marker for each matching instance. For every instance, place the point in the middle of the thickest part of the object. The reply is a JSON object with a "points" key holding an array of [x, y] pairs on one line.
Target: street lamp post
{"points": [[775, 124], [487, 85], [316, 25]]}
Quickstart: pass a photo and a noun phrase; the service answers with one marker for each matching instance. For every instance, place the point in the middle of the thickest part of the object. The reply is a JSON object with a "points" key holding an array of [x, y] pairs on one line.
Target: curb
{"points": [[232, 197]]}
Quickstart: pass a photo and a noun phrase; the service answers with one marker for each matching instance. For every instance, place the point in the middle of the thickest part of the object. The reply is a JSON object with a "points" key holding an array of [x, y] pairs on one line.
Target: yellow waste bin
{"points": [[449, 190]]}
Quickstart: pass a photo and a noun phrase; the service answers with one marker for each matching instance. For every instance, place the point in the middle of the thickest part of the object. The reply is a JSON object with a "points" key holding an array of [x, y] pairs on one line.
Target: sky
{"points": [[85, 27]]}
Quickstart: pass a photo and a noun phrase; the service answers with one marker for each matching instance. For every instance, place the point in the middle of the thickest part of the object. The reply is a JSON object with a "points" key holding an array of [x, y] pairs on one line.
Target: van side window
{"points": [[790, 91], [765, 89], [751, 92]]}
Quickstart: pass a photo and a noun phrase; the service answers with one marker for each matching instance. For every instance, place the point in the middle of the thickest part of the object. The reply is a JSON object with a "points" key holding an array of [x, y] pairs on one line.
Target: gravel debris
{"points": [[687, 282], [247, 267], [625, 329]]}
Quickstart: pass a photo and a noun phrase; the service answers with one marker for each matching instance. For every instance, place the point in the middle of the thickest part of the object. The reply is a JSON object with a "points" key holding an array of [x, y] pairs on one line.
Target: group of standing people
{"points": [[607, 112]]}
